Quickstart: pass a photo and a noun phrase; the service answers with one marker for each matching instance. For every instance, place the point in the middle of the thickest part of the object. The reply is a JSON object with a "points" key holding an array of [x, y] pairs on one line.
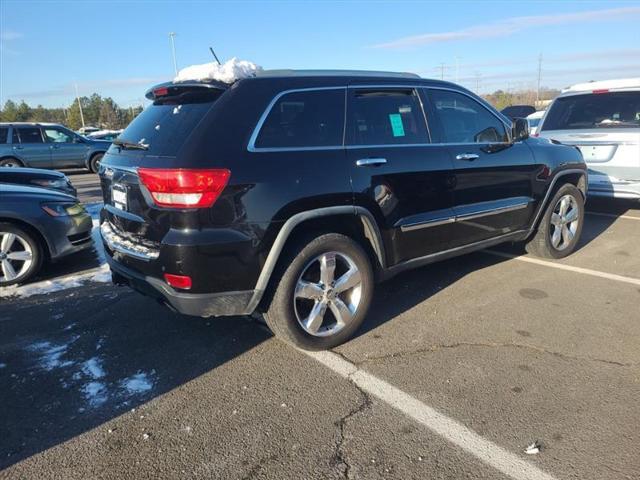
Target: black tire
{"points": [[282, 310], [36, 254], [542, 244], [94, 163], [11, 162]]}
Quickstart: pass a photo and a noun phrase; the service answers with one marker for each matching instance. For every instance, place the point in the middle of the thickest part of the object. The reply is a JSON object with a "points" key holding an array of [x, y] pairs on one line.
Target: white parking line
{"points": [[451, 430], [611, 215], [569, 268]]}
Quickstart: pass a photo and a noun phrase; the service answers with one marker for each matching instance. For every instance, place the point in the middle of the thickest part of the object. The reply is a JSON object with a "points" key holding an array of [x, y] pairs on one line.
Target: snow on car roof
{"points": [[228, 72], [604, 85]]}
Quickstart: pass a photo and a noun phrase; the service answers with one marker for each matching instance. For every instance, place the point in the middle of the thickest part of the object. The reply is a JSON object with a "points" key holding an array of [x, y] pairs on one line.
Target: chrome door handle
{"points": [[368, 162], [470, 157]]}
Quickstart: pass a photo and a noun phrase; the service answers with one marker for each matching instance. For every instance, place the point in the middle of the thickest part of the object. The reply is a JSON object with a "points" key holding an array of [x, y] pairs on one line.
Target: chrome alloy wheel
{"points": [[564, 222], [16, 256], [327, 294]]}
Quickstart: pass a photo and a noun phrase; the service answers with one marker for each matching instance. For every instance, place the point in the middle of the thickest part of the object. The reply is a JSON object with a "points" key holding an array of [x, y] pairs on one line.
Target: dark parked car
{"points": [[36, 177], [48, 145], [293, 193], [518, 111], [38, 225]]}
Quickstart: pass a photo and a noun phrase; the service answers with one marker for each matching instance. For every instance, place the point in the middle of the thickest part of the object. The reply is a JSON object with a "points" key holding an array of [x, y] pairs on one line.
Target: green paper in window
{"points": [[396, 124]]}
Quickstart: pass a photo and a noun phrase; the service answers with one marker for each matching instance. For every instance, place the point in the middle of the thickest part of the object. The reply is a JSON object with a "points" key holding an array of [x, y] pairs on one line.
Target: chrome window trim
{"points": [[355, 147], [251, 147]]}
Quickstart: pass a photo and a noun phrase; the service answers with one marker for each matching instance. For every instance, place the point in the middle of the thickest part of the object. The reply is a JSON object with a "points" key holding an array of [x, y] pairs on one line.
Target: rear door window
{"points": [[4, 134], [304, 119], [464, 120], [594, 110], [30, 135], [386, 117]]}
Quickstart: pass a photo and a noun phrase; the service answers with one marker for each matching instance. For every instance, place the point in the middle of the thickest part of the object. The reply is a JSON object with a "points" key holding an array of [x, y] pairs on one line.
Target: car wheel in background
{"points": [[560, 228], [94, 163], [20, 255], [10, 162], [323, 294]]}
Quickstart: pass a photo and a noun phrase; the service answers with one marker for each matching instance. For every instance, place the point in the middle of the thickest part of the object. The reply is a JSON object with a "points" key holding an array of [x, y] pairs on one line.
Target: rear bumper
{"points": [[196, 304], [604, 186]]}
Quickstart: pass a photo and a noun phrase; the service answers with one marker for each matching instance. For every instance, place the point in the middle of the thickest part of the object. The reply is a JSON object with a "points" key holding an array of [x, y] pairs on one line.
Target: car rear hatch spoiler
{"points": [[171, 90]]}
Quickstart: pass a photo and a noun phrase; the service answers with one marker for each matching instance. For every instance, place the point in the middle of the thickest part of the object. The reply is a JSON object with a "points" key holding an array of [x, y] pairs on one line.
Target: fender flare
{"points": [[371, 229], [547, 196]]}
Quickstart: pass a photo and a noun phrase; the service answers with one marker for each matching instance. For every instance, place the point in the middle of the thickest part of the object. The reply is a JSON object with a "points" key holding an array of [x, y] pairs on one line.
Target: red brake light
{"points": [[178, 281], [159, 92], [602, 90], [182, 188]]}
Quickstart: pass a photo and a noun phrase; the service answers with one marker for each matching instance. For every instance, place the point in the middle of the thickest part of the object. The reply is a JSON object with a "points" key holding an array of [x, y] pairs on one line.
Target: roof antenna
{"points": [[214, 55]]}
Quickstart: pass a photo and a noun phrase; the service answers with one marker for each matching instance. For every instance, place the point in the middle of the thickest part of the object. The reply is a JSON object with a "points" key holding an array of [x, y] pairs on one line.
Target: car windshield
{"points": [[164, 126], [594, 110]]}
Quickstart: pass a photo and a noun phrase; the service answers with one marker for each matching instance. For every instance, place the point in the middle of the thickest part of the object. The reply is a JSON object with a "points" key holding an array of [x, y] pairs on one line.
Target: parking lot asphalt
{"points": [[459, 367]]}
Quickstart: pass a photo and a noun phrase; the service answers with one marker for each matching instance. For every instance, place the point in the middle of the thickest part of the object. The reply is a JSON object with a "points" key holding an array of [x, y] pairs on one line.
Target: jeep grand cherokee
{"points": [[293, 193]]}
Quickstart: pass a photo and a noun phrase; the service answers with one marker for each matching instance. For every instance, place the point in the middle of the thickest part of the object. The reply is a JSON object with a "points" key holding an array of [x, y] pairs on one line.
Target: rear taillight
{"points": [[184, 188]]}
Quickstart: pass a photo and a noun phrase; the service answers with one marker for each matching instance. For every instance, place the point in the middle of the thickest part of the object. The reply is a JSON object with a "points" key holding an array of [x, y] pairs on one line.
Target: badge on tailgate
{"points": [[119, 196]]}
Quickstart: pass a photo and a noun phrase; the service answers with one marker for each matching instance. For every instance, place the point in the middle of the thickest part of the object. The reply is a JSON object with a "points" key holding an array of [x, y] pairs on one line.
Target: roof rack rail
{"points": [[331, 73]]}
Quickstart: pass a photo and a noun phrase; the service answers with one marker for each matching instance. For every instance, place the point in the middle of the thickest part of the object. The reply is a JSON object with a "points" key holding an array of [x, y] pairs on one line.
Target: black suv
{"points": [[292, 193]]}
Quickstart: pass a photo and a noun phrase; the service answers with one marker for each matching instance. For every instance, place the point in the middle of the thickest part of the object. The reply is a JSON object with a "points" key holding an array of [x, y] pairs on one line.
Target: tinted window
{"points": [[57, 135], [386, 117], [4, 134], [30, 135], [602, 110], [465, 120], [304, 119], [166, 124]]}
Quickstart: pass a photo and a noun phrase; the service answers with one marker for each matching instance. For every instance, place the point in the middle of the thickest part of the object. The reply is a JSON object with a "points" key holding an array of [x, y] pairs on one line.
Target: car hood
{"points": [[35, 192], [30, 173]]}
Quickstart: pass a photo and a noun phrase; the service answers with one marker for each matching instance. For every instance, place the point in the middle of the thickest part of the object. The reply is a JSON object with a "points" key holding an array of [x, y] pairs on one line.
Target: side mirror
{"points": [[78, 139], [520, 129]]}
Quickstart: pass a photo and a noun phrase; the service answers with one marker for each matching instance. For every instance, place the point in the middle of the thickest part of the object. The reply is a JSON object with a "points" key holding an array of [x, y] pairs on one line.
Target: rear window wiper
{"points": [[130, 145]]}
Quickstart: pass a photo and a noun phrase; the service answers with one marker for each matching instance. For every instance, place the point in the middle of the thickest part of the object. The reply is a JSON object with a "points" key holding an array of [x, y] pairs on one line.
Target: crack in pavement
{"points": [[339, 455], [435, 348]]}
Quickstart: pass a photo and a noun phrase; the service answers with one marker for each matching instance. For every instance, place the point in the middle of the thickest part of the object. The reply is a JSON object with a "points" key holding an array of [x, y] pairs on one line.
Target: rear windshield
{"points": [[594, 110], [166, 124]]}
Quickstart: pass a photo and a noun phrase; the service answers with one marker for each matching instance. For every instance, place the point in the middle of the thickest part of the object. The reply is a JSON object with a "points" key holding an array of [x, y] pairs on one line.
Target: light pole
{"points": [[173, 50], [79, 105]]}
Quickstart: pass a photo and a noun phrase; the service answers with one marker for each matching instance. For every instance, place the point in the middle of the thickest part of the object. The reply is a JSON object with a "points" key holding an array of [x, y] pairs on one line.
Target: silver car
{"points": [[603, 120]]}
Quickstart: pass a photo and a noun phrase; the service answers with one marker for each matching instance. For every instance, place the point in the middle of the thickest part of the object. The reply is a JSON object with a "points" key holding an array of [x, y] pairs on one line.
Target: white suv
{"points": [[603, 120]]}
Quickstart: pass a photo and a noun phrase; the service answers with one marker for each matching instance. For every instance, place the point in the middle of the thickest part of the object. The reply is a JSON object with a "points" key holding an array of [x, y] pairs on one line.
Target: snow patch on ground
{"points": [[228, 72], [93, 368], [136, 384], [99, 274], [95, 393], [51, 355]]}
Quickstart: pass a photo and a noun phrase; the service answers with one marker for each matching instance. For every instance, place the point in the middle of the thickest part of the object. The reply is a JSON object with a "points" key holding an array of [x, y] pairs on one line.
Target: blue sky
{"points": [[120, 48]]}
